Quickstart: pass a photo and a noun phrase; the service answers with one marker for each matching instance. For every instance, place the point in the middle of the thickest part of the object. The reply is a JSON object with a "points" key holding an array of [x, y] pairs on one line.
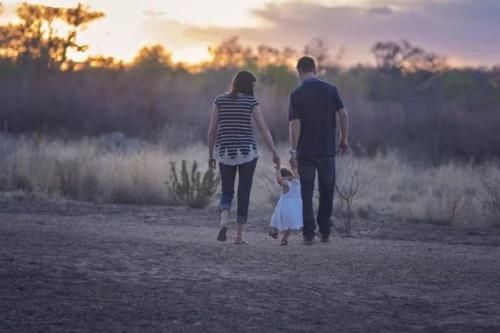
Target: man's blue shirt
{"points": [[315, 103]]}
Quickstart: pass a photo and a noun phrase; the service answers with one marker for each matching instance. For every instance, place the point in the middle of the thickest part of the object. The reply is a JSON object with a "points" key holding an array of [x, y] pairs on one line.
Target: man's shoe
{"points": [[324, 238], [308, 241]]}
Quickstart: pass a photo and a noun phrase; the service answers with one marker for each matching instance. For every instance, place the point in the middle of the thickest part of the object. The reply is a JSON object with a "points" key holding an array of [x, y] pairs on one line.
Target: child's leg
{"points": [[273, 232], [286, 234]]}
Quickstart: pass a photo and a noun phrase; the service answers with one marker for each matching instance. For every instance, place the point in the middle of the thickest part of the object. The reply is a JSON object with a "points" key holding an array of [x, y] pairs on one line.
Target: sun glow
{"points": [[188, 27], [130, 25], [191, 55]]}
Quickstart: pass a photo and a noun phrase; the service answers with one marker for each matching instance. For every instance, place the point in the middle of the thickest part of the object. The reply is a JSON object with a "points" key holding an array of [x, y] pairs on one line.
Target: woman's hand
{"points": [[279, 178], [212, 163], [276, 160]]}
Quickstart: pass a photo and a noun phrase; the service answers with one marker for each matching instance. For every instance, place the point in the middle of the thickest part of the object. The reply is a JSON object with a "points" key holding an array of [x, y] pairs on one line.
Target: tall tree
{"points": [[153, 57], [270, 56], [317, 49], [37, 40], [404, 57], [230, 53]]}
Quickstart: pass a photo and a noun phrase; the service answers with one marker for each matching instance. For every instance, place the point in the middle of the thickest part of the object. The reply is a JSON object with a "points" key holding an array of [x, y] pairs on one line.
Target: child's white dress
{"points": [[288, 212]]}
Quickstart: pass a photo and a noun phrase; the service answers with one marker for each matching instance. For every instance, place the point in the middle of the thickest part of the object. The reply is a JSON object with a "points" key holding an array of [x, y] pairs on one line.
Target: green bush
{"points": [[190, 188]]}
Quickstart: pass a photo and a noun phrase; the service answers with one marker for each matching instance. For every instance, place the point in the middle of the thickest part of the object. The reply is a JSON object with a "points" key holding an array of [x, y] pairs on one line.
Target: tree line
{"points": [[410, 100]]}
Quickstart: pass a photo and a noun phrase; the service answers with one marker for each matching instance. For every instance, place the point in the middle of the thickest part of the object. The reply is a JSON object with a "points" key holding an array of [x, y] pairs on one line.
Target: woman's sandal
{"points": [[240, 241], [273, 234], [221, 237], [284, 242]]}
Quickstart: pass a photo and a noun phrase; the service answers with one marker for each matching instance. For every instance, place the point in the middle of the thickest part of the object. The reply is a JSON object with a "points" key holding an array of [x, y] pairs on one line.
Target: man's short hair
{"points": [[306, 64]]}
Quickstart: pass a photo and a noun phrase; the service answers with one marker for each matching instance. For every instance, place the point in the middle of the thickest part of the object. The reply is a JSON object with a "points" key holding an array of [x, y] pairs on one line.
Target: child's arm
{"points": [[295, 172]]}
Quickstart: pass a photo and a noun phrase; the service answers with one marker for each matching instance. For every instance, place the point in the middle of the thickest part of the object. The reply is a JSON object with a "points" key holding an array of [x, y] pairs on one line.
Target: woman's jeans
{"points": [[245, 178]]}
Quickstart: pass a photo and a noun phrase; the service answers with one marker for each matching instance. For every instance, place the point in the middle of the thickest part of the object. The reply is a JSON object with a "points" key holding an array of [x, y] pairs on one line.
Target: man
{"points": [[312, 114]]}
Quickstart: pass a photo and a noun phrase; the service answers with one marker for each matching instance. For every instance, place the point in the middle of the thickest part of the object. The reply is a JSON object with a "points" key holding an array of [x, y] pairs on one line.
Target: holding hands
{"points": [[276, 160]]}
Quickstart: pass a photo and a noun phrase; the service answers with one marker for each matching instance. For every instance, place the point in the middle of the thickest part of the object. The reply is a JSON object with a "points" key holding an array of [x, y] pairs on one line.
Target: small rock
{"points": [[476, 233]]}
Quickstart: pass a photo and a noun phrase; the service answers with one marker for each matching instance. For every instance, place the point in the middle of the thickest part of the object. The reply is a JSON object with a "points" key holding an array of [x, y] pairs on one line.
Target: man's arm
{"points": [[294, 133], [294, 141], [344, 130]]}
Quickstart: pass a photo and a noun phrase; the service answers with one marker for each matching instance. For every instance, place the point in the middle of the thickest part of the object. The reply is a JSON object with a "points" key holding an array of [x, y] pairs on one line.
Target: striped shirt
{"points": [[235, 136]]}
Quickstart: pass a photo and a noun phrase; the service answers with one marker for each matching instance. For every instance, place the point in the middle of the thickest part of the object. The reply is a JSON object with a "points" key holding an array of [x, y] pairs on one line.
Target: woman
{"points": [[231, 142]]}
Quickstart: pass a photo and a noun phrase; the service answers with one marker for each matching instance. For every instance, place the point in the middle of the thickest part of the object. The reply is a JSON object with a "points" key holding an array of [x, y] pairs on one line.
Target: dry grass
{"points": [[441, 195], [114, 169], [87, 170]]}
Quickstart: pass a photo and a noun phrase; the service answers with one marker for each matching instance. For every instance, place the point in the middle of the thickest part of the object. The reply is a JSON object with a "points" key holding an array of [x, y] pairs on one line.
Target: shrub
{"points": [[68, 174], [22, 183], [190, 188], [348, 186], [456, 204], [490, 201]]}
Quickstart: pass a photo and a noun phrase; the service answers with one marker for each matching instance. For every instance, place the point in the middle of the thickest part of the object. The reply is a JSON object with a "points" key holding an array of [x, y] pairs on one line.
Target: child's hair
{"points": [[285, 173]]}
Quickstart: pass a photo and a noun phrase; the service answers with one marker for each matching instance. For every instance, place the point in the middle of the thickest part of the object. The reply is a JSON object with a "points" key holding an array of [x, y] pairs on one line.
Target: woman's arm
{"points": [[266, 134], [211, 135]]}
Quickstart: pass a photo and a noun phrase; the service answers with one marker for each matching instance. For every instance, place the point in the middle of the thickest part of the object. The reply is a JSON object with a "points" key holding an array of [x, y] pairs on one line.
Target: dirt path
{"points": [[81, 268]]}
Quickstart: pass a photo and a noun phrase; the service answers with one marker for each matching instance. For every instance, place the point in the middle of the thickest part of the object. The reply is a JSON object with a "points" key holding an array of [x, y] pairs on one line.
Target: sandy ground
{"points": [[73, 267]]}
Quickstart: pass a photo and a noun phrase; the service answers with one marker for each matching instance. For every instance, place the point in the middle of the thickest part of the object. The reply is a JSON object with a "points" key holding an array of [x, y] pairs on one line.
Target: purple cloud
{"points": [[461, 29]]}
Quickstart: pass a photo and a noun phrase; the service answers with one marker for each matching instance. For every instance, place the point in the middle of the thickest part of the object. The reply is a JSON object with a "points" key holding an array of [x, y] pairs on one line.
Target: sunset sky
{"points": [[464, 30]]}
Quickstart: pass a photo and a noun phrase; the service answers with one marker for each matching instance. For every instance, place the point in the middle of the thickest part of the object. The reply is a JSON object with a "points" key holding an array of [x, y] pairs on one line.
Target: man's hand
{"points": [[344, 131], [343, 146], [293, 161]]}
